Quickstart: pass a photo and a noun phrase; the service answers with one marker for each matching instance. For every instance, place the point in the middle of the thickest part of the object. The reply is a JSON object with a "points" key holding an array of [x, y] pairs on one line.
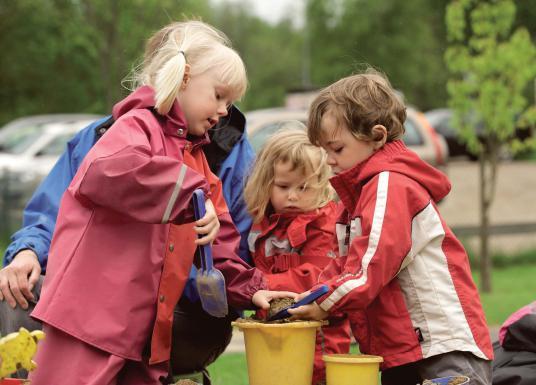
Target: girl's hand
{"points": [[208, 226], [262, 298], [308, 312]]}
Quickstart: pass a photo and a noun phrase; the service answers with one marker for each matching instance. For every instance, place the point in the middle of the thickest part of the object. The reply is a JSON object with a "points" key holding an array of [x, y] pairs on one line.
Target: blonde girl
{"points": [[125, 237], [292, 239]]}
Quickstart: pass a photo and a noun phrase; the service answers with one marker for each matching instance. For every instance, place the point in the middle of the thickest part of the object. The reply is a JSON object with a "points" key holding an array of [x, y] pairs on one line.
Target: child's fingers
{"points": [[209, 232], [208, 218], [302, 295], [302, 312], [263, 303], [203, 240], [283, 294], [210, 237]]}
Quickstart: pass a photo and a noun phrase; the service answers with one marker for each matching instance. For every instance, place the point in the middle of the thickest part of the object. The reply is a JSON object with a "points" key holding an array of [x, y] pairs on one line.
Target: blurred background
{"points": [[65, 60], [71, 55], [63, 63]]}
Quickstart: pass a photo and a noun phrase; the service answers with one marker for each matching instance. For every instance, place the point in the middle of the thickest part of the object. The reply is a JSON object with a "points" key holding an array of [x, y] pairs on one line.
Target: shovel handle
{"points": [[205, 251]]}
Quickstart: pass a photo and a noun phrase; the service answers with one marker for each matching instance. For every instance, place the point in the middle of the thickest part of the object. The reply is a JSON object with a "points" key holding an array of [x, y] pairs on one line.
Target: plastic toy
{"points": [[17, 350]]}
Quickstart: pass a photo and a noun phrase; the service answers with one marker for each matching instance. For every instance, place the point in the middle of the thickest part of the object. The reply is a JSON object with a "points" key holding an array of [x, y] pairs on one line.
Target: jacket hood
{"points": [[143, 98], [395, 157]]}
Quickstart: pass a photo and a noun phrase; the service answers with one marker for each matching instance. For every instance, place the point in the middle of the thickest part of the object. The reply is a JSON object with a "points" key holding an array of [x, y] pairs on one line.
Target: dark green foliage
{"points": [[71, 56]]}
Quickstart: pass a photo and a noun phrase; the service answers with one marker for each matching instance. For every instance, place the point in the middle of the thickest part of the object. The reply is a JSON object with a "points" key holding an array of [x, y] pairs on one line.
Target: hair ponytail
{"points": [[168, 81]]}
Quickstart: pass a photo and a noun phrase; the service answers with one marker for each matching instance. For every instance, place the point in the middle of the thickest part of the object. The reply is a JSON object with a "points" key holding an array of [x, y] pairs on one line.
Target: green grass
{"points": [[512, 288], [229, 369]]}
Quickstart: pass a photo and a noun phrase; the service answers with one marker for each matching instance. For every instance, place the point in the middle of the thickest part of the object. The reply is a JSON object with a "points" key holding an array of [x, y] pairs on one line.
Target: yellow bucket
{"points": [[280, 353], [352, 369]]}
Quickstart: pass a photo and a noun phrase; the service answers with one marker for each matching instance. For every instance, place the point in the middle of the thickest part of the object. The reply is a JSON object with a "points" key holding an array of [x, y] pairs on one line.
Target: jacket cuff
{"points": [[18, 245], [241, 297]]}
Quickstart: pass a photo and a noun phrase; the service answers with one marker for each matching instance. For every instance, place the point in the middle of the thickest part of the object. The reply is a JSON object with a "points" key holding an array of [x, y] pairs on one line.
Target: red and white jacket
{"points": [[292, 250], [402, 276]]}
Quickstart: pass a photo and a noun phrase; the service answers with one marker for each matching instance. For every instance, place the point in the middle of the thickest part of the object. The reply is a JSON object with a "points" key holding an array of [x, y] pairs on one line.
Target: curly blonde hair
{"points": [[289, 144]]}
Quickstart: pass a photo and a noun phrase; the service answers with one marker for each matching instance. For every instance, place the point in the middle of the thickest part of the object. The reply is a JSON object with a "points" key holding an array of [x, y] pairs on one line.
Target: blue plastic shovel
{"points": [[283, 313], [446, 380], [209, 281]]}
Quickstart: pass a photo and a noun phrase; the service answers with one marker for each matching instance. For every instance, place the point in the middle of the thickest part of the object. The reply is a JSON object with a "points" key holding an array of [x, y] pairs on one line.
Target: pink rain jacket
{"points": [[115, 260]]}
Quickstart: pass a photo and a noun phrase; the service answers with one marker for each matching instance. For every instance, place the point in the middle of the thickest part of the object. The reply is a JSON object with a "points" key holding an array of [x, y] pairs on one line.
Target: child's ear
{"points": [[379, 135], [186, 76]]}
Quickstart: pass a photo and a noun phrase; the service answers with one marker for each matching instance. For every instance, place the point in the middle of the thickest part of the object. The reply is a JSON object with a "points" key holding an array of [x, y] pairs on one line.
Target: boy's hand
{"points": [[18, 279], [308, 312], [262, 298], [208, 226]]}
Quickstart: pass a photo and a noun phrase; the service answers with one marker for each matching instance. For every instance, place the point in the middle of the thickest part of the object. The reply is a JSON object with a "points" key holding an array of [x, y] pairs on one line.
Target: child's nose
{"points": [[222, 110], [292, 194]]}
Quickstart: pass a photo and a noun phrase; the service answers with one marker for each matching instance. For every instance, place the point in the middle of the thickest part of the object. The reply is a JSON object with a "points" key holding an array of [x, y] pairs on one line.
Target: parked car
{"points": [[420, 136], [30, 146], [441, 120]]}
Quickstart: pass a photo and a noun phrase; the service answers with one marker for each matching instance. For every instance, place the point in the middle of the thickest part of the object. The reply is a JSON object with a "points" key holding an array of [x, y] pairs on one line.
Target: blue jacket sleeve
{"points": [[233, 173], [39, 216]]}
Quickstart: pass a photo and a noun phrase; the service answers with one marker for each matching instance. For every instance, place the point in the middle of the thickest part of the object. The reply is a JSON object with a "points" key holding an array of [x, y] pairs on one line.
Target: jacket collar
{"points": [[393, 157], [294, 224], [173, 123]]}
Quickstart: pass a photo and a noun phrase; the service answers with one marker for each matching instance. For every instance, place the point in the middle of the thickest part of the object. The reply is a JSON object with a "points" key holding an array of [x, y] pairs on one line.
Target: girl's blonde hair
{"points": [[288, 144], [192, 42]]}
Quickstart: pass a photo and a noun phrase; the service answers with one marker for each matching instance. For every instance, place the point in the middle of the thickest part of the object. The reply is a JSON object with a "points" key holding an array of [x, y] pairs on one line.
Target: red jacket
{"points": [[115, 260], [292, 250], [402, 276]]}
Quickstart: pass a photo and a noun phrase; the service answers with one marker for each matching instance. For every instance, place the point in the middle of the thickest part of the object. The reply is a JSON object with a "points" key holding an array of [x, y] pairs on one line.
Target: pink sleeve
{"points": [[516, 316], [241, 280], [122, 174]]}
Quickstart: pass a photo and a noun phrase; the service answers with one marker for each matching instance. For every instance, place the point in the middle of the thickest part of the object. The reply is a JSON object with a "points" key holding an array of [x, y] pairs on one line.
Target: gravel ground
{"points": [[514, 202]]}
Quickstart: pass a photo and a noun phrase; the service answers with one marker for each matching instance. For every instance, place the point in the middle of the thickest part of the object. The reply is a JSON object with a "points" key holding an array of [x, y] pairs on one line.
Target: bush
{"points": [[501, 260]]}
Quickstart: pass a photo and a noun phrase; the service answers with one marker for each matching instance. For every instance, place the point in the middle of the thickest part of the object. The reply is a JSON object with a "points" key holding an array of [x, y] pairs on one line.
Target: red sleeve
{"points": [[241, 280], [385, 211], [122, 174]]}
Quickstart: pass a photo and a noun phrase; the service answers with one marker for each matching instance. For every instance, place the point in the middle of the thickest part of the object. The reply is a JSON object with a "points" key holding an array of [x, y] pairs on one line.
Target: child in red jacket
{"points": [[291, 240], [402, 277]]}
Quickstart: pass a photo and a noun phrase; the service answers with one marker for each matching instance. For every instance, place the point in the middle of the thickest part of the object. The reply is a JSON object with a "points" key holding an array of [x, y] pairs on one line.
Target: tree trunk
{"points": [[488, 172]]}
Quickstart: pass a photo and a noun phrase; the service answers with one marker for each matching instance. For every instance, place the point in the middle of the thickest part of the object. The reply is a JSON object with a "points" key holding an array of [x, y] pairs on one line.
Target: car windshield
{"points": [[18, 140], [258, 138], [56, 146]]}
